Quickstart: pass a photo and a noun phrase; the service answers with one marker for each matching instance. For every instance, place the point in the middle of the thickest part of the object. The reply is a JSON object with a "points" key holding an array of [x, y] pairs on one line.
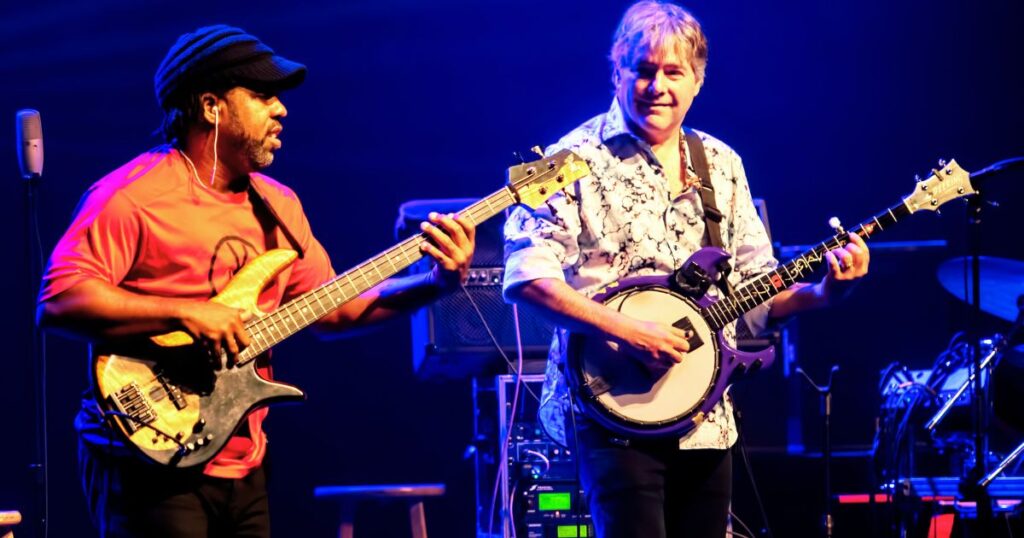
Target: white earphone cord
{"points": [[216, 132]]}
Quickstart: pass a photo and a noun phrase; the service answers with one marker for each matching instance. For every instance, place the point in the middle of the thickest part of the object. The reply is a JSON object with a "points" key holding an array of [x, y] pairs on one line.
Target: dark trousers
{"points": [[130, 498], [651, 489]]}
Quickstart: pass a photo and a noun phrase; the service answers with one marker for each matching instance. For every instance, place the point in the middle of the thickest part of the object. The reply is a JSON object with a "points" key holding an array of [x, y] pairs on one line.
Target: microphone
{"points": [[30, 143], [1001, 166]]}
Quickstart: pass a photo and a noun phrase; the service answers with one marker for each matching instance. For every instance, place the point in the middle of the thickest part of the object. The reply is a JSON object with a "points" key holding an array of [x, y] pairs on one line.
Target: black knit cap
{"points": [[222, 56]]}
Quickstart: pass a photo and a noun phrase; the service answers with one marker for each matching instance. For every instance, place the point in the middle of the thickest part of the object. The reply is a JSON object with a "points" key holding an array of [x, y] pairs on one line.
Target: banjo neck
{"points": [[730, 308], [948, 183]]}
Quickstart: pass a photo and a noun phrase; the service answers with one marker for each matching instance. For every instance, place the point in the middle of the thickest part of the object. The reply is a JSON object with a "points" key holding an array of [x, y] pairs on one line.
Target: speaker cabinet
{"points": [[450, 337]]}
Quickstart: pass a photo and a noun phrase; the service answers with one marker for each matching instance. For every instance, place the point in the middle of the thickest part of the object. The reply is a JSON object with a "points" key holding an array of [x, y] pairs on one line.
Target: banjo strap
{"points": [[712, 216]]}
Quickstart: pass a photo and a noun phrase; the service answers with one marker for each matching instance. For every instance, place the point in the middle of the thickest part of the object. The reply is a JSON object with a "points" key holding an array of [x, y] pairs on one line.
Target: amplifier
{"points": [[548, 509], [450, 337], [534, 456], [540, 485]]}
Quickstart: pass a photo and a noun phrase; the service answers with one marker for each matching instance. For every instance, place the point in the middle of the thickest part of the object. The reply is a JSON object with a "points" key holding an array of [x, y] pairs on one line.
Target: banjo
{"points": [[621, 394]]}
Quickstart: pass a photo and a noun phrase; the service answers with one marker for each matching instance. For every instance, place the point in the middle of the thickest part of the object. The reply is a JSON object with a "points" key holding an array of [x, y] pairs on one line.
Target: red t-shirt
{"points": [[151, 228]]}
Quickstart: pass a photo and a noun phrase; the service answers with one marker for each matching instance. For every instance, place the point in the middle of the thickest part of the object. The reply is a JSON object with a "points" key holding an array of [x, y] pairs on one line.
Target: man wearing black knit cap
{"points": [[154, 240]]}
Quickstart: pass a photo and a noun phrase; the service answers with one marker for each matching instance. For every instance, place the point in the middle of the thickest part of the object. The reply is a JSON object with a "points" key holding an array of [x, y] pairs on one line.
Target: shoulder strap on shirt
{"points": [[712, 216], [260, 201]]}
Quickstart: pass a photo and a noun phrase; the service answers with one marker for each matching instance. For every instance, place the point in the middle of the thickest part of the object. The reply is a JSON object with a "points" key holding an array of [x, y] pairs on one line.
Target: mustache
{"points": [[648, 102]]}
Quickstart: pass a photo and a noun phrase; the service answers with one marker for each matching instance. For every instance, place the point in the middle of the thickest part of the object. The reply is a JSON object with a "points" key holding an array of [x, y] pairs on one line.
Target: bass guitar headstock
{"points": [[534, 182]]}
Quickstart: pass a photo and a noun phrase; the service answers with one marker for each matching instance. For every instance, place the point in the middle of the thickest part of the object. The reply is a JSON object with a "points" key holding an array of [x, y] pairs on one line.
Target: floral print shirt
{"points": [[621, 221]]}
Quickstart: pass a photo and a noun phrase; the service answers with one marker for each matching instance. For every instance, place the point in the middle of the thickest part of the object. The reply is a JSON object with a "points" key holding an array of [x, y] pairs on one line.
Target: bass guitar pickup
{"points": [[170, 390]]}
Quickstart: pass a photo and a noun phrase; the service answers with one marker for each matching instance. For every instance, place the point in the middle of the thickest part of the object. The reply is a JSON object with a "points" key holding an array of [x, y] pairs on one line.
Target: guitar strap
{"points": [[260, 202], [712, 216]]}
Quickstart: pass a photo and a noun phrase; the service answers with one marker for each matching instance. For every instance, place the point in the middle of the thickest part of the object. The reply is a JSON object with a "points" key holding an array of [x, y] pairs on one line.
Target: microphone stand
{"points": [[826, 446], [39, 468], [29, 134], [970, 485]]}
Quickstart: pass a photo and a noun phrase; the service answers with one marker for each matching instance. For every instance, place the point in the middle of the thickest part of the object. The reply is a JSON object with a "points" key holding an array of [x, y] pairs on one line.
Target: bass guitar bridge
{"points": [[133, 408]]}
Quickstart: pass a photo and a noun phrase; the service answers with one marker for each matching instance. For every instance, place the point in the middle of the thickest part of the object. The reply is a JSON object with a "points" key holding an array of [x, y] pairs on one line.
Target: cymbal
{"points": [[1002, 281]]}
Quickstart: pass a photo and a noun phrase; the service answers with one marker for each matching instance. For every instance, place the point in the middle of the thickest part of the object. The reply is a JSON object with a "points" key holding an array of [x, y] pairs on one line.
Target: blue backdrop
{"points": [[833, 105]]}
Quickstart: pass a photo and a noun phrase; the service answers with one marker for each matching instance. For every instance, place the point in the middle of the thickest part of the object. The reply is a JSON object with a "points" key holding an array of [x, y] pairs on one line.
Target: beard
{"points": [[250, 145], [257, 153]]}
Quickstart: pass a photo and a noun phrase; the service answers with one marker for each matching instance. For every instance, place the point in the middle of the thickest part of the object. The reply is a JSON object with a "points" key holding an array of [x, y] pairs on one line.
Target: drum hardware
{"points": [[972, 481], [987, 365], [908, 464], [989, 285], [988, 478], [1002, 282]]}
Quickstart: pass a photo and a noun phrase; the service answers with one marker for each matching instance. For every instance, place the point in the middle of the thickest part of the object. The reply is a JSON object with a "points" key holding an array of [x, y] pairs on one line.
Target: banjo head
{"points": [[635, 395]]}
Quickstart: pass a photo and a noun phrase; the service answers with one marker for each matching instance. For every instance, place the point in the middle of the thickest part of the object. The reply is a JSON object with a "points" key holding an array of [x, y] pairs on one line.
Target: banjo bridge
{"points": [[694, 340]]}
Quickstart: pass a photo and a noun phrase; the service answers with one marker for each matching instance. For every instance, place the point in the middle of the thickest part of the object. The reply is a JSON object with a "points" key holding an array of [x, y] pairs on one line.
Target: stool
{"points": [[349, 497], [8, 519]]}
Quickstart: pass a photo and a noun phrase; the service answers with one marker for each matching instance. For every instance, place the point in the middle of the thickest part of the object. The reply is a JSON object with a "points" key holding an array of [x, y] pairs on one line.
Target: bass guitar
{"points": [[179, 410], [630, 400]]}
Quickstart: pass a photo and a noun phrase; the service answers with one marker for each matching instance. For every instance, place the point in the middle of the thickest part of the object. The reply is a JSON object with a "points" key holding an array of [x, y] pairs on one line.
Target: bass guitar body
{"points": [[175, 403]]}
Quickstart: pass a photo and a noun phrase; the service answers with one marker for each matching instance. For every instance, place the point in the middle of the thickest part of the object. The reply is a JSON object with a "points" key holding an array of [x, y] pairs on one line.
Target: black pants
{"points": [[651, 489], [130, 498]]}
